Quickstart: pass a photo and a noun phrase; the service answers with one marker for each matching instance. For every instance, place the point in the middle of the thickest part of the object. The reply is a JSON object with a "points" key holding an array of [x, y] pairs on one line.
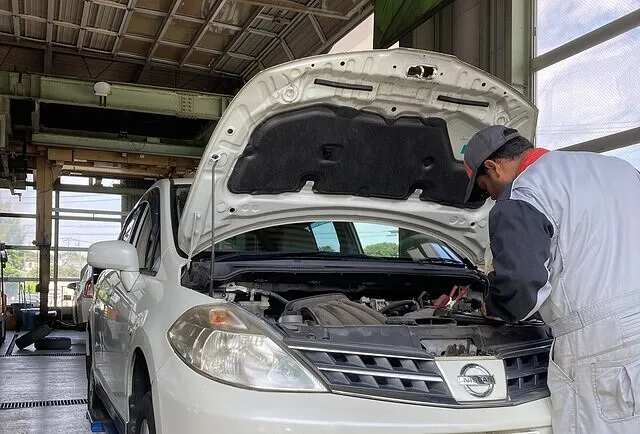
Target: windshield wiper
{"points": [[295, 255], [442, 261]]}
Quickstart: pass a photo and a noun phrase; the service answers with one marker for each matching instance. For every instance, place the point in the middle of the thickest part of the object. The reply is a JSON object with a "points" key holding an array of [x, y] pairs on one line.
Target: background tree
{"points": [[382, 250]]}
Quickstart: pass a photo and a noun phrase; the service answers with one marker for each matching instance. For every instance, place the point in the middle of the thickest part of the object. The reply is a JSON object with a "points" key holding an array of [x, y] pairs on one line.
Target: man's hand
{"points": [[483, 309]]}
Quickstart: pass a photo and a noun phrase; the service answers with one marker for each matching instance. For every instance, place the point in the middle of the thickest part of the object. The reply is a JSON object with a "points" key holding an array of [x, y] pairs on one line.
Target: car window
{"points": [[147, 242], [130, 224], [326, 236], [385, 241], [371, 239]]}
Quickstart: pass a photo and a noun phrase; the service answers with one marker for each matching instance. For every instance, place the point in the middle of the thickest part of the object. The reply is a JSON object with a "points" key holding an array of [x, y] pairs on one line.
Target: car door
{"points": [[123, 301], [107, 327]]}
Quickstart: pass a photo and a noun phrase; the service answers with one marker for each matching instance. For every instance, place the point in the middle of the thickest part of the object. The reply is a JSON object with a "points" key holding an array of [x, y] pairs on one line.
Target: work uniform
{"points": [[565, 239]]}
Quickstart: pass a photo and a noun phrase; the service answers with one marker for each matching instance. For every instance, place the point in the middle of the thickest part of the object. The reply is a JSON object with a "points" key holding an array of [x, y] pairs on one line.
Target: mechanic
{"points": [[564, 234]]}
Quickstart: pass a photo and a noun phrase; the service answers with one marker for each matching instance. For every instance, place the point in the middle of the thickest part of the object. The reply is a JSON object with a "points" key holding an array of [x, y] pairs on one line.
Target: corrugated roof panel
{"points": [[69, 65], [26, 59], [69, 11], [135, 46], [253, 71], [253, 45], [181, 31], [110, 70], [36, 8], [215, 41], [99, 42], [201, 59], [105, 17], [65, 35], [275, 57], [162, 77], [168, 52], [156, 5], [330, 25], [234, 65], [193, 8], [6, 24], [303, 40], [145, 25], [235, 13], [269, 26], [33, 29]]}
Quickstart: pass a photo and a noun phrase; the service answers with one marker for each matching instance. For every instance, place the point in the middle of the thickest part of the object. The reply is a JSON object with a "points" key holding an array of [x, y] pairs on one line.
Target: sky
{"points": [[594, 93]]}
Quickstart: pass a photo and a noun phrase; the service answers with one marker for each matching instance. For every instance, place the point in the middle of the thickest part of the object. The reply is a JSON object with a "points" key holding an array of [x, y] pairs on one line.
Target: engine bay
{"points": [[435, 312]]}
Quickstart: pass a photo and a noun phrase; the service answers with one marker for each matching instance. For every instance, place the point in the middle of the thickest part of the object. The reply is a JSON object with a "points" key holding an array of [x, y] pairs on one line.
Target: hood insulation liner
{"points": [[350, 152]]}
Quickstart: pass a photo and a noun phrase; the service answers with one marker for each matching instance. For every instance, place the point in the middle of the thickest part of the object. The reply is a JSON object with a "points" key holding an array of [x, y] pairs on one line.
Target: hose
{"points": [[396, 304], [278, 297]]}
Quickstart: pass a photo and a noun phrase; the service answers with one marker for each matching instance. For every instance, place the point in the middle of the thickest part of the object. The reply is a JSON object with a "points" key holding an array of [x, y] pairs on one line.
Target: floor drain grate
{"points": [[42, 355], [32, 404]]}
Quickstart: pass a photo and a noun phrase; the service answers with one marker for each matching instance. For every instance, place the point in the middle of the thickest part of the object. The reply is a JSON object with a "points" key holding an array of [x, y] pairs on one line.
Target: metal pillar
{"points": [[494, 36], [46, 174]]}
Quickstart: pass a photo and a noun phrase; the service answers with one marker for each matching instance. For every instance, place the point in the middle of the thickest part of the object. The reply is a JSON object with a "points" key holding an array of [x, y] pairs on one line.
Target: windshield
{"points": [[339, 239]]}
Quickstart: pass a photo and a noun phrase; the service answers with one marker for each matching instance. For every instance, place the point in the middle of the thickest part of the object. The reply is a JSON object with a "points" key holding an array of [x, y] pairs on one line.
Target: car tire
{"points": [[32, 336], [145, 420], [55, 343]]}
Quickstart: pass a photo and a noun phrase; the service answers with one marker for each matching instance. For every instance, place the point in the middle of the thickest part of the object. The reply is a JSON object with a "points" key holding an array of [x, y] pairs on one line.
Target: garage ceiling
{"points": [[205, 45]]}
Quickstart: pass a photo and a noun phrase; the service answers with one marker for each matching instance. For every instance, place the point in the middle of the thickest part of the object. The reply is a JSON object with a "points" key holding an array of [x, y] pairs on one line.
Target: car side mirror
{"points": [[116, 255], [72, 286]]}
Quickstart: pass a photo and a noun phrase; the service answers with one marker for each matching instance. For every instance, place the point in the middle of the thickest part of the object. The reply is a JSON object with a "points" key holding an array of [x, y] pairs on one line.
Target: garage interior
{"points": [[101, 98]]}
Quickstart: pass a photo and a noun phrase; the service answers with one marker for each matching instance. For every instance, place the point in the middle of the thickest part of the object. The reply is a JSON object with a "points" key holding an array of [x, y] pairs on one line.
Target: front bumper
{"points": [[186, 402]]}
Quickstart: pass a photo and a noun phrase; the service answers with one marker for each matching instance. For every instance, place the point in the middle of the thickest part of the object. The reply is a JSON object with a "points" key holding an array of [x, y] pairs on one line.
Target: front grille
{"points": [[410, 376], [379, 374], [526, 370]]}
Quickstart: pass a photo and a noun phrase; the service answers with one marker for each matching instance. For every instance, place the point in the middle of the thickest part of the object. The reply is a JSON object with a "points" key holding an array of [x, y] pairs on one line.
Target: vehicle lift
{"points": [[101, 422]]}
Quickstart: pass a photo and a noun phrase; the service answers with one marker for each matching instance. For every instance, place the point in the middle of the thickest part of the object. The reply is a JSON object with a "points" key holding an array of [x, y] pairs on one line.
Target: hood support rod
{"points": [[214, 162]]}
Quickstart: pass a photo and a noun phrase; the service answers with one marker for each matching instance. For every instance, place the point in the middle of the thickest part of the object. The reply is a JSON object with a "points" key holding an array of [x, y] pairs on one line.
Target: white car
{"points": [[344, 298], [83, 294]]}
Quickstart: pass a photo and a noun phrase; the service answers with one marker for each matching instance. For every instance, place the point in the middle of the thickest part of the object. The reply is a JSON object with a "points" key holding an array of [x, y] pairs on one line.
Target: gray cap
{"points": [[480, 147]]}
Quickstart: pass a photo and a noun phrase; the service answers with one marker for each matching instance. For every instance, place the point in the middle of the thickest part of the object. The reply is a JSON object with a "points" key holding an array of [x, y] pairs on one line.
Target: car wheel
{"points": [[145, 421]]}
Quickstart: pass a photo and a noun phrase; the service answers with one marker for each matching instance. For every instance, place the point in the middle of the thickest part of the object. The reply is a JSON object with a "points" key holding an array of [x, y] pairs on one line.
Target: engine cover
{"points": [[333, 310]]}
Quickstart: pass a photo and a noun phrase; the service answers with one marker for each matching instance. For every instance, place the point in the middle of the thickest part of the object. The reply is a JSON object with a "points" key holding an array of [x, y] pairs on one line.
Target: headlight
{"points": [[224, 343]]}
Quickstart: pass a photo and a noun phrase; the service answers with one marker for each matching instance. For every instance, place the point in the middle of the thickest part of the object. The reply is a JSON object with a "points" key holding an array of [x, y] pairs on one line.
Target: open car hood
{"points": [[367, 136]]}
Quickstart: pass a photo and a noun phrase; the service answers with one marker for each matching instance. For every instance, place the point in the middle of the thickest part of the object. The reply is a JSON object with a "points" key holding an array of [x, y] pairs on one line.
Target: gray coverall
{"points": [[565, 238]]}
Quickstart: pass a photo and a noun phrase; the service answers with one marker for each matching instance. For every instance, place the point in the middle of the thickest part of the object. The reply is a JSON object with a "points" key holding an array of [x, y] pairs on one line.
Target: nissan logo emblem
{"points": [[476, 380]]}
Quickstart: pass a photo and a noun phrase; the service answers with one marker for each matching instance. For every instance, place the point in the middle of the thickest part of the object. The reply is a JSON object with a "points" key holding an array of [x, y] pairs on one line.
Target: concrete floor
{"points": [[29, 377]]}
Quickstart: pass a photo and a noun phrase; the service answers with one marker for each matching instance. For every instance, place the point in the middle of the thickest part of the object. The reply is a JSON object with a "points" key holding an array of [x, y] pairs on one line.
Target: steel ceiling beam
{"points": [[237, 38], [294, 23], [292, 6], [286, 49], [124, 25], [318, 29], [215, 10], [368, 10], [83, 23], [129, 97], [48, 54], [36, 44], [111, 4], [129, 146], [15, 9], [163, 29]]}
